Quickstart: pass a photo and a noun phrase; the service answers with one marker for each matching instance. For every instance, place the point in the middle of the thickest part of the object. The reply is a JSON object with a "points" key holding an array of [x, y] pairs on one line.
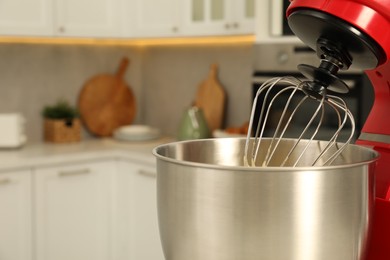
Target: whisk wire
{"points": [[341, 105], [268, 85], [319, 107], [273, 146]]}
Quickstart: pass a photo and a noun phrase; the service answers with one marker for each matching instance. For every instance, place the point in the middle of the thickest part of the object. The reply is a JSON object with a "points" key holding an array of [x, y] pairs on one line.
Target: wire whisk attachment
{"points": [[288, 105]]}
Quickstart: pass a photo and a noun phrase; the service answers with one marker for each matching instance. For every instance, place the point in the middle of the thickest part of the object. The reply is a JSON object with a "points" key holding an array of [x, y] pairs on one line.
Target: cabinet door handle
{"points": [[74, 173], [5, 181], [147, 173]]}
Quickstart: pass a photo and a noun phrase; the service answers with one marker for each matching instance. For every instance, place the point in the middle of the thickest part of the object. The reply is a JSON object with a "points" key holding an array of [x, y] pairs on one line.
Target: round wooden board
{"points": [[106, 102]]}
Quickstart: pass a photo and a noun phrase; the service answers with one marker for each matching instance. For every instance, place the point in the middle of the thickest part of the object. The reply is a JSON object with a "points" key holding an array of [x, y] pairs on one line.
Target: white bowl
{"points": [[136, 133]]}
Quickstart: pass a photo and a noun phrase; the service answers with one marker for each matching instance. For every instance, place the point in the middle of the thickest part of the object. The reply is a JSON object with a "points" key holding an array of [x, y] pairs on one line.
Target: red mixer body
{"points": [[373, 18]]}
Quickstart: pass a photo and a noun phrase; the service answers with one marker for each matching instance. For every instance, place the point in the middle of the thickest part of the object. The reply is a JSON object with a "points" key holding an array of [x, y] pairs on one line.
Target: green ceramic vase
{"points": [[193, 125]]}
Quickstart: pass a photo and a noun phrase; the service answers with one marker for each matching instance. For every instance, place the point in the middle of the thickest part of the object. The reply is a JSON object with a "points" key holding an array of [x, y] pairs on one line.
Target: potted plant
{"points": [[61, 123]]}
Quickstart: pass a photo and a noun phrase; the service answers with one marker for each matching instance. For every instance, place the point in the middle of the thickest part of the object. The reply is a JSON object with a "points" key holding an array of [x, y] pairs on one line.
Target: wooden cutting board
{"points": [[211, 97], [106, 102]]}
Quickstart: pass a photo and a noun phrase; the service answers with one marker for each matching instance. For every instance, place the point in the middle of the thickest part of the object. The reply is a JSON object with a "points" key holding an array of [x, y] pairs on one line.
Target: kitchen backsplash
{"points": [[164, 79]]}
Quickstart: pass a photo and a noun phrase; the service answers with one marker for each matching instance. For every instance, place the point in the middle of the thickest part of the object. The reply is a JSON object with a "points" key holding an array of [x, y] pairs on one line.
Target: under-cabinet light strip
{"points": [[242, 39]]}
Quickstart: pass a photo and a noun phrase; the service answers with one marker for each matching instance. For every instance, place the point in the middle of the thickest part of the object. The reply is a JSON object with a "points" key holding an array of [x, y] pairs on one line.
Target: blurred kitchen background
{"points": [[49, 49], [164, 79]]}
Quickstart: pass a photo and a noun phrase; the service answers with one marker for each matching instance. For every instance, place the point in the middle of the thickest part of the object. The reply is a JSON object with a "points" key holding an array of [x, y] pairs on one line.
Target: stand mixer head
{"points": [[348, 33]]}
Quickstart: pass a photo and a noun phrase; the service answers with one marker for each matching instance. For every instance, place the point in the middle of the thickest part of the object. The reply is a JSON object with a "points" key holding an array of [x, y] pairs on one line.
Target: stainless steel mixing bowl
{"points": [[211, 207]]}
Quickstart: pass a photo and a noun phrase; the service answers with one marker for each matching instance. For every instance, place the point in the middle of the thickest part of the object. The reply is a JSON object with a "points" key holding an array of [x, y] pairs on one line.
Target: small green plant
{"points": [[60, 110]]}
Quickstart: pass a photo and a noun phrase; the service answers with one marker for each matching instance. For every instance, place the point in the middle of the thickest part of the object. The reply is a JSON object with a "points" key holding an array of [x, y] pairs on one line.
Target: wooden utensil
{"points": [[106, 102], [211, 98]]}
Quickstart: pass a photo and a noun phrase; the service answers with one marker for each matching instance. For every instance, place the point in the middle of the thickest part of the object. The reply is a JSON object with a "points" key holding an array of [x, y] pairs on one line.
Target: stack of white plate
{"points": [[136, 133]]}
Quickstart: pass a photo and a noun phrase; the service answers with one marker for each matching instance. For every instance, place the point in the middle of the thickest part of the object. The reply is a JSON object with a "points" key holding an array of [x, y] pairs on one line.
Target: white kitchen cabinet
{"points": [[15, 216], [87, 18], [219, 17], [126, 18], [73, 211], [182, 18], [243, 14], [26, 18], [152, 18], [136, 213]]}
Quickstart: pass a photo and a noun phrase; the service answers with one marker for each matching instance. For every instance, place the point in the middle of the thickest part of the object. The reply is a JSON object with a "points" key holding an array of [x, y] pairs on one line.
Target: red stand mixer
{"points": [[355, 33]]}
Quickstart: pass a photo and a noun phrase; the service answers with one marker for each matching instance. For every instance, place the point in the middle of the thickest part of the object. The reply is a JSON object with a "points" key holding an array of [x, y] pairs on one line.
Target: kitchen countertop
{"points": [[44, 154]]}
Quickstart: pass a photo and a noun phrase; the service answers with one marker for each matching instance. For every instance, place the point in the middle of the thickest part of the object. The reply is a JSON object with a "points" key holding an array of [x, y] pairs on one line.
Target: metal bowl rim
{"points": [[259, 168]]}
